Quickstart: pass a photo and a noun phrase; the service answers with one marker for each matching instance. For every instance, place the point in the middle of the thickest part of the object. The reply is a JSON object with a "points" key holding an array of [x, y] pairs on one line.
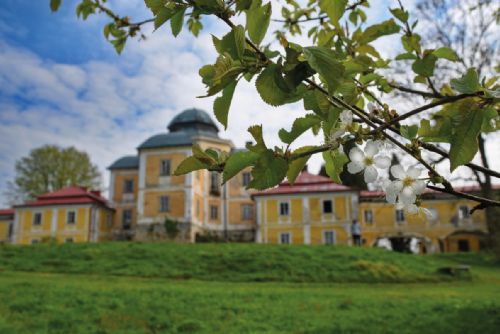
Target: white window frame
{"points": [[74, 217], [365, 211], [323, 206], [214, 209], [288, 208], [36, 213], [246, 177], [396, 216], [165, 208], [461, 216], [125, 190], [248, 211], [281, 234], [165, 171], [334, 240]]}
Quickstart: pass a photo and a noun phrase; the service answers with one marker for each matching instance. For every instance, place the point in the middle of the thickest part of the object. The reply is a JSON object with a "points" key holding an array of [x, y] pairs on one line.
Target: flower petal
{"points": [[371, 148], [407, 196], [398, 172], [356, 154], [346, 117], [354, 167], [414, 172], [382, 161], [370, 174], [418, 187], [411, 209]]}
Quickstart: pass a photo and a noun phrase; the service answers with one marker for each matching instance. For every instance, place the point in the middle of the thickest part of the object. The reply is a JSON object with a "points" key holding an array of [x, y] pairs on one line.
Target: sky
{"points": [[62, 83]]}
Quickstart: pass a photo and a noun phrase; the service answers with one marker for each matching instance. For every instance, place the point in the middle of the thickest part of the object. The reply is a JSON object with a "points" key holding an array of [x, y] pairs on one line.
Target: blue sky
{"points": [[62, 83]]}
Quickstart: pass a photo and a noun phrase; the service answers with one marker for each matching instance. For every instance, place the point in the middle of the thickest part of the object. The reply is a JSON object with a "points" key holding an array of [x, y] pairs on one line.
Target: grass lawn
{"points": [[106, 294]]}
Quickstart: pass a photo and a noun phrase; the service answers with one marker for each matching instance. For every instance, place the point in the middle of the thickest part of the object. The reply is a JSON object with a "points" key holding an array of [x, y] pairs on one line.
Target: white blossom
{"points": [[406, 187], [344, 124], [367, 160]]}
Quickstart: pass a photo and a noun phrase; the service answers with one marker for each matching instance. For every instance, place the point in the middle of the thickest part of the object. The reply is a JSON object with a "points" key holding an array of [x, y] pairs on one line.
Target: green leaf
{"points": [[323, 61], [233, 43], [269, 171], [411, 43], [425, 66], [409, 131], [406, 56], [445, 53], [373, 32], [300, 125], [400, 14], [334, 9], [163, 15], [216, 77], [177, 21], [222, 103], [440, 133], [54, 5], [334, 164], [464, 143], [119, 44], [256, 132], [258, 18], [190, 164], [296, 165], [468, 83], [274, 90], [237, 162], [155, 5]]}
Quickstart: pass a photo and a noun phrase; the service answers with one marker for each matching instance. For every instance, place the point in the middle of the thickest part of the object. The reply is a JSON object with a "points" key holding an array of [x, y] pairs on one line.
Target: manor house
{"points": [[145, 197]]}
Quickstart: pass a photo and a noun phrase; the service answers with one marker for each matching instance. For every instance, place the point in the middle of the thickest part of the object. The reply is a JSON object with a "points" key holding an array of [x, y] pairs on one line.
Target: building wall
{"points": [[434, 231], [54, 225], [306, 221], [4, 229]]}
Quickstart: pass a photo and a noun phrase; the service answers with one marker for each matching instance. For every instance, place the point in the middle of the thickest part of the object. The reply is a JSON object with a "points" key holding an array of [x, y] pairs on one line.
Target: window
{"points": [[165, 167], [284, 209], [37, 219], [214, 212], [164, 204], [285, 238], [246, 212], [329, 237], [214, 183], [127, 219], [327, 206], [35, 241], [433, 214], [368, 215], [128, 186], [246, 179], [400, 216], [463, 212], [70, 217], [463, 245], [109, 220], [69, 240]]}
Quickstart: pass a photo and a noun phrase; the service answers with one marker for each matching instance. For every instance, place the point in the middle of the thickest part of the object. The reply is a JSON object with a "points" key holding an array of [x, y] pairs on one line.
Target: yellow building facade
{"points": [[313, 210], [145, 192], [71, 214]]}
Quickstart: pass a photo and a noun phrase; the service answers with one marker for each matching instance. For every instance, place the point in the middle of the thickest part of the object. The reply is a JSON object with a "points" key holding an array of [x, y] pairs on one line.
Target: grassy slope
{"points": [[225, 262], [90, 289]]}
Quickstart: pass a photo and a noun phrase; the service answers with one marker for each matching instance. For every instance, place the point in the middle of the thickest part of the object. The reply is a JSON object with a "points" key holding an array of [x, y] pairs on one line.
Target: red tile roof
{"points": [[305, 183], [68, 196], [6, 212]]}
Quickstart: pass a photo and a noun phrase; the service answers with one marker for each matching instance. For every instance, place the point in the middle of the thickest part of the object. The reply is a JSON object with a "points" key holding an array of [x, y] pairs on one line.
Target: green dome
{"points": [[192, 119]]}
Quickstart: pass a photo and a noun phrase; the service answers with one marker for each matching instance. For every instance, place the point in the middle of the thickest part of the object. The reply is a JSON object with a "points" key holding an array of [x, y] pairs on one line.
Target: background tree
{"points": [[50, 168]]}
